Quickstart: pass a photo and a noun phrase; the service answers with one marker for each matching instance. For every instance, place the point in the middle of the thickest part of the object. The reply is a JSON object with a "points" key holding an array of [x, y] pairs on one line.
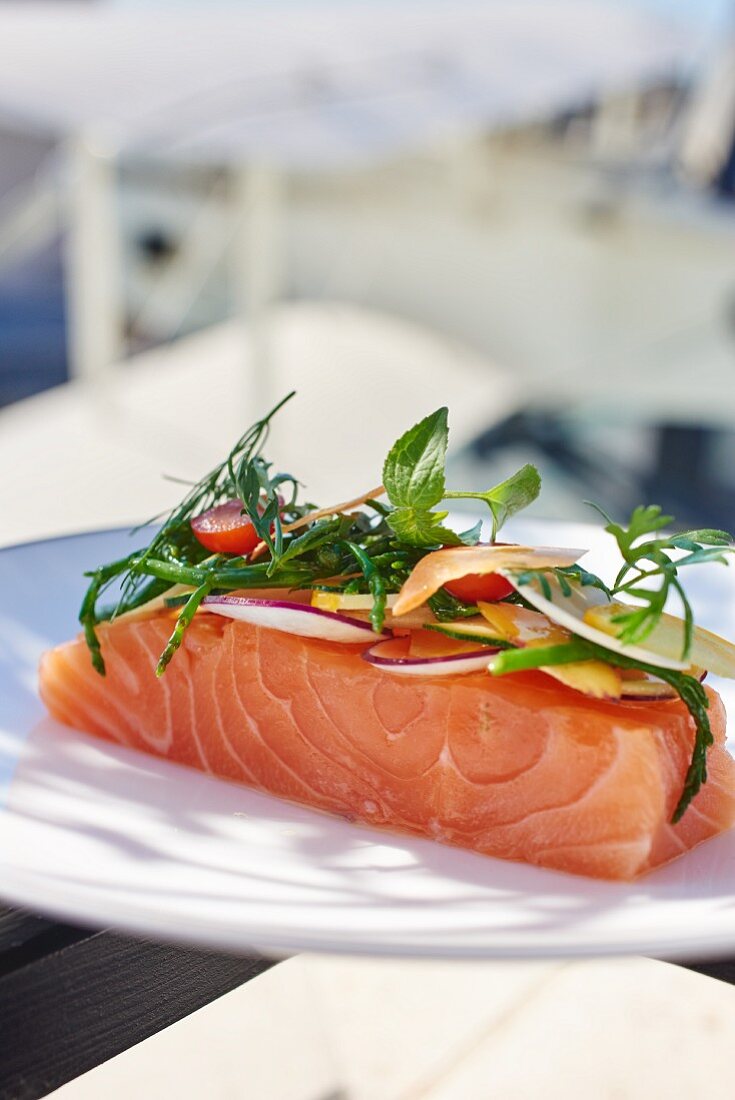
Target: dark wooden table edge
{"points": [[723, 970], [72, 998]]}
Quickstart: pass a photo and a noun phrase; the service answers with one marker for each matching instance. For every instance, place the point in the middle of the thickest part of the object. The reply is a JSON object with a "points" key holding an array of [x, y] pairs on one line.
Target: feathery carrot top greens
{"points": [[371, 547]]}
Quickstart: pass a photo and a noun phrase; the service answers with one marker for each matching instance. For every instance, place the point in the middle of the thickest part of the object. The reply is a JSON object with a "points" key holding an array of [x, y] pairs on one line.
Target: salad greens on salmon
{"points": [[384, 570]]}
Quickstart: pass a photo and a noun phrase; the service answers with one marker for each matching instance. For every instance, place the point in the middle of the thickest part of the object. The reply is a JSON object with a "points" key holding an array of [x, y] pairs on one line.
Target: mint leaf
{"points": [[421, 528], [413, 473], [413, 476], [509, 497], [513, 494]]}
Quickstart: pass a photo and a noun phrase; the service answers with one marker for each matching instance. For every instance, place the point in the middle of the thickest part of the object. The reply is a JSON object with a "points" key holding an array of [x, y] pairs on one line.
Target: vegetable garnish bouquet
{"points": [[384, 571]]}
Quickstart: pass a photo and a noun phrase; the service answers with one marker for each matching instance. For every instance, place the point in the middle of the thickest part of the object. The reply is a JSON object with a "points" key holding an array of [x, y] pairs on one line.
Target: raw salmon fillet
{"points": [[520, 767]]}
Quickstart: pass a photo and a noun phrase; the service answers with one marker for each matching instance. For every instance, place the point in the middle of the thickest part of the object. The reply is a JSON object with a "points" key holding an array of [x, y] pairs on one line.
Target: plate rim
{"points": [[136, 922]]}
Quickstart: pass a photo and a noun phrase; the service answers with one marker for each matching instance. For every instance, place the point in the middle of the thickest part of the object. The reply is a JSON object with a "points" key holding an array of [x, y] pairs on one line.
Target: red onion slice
{"points": [[392, 656], [293, 618]]}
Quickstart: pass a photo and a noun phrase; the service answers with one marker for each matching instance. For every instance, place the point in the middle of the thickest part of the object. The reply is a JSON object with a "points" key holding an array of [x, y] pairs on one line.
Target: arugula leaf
{"points": [[563, 575], [701, 555], [709, 535], [583, 576], [644, 520], [650, 570], [448, 609], [413, 472], [529, 576], [421, 528], [510, 496]]}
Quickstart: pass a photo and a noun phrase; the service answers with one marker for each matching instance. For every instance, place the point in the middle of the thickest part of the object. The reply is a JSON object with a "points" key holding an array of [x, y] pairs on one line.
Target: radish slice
{"points": [[394, 656], [572, 612], [666, 639], [292, 618]]}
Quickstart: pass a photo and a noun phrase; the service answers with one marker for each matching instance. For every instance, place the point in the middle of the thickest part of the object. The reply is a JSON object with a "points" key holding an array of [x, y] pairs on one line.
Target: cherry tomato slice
{"points": [[490, 587], [225, 530]]}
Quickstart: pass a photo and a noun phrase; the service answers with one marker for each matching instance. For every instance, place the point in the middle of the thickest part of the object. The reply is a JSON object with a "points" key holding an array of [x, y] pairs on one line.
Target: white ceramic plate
{"points": [[102, 835]]}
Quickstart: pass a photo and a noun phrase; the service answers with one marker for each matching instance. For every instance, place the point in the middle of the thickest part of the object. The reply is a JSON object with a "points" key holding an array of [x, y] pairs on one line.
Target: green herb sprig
{"points": [[372, 550], [414, 479], [650, 569], [565, 576]]}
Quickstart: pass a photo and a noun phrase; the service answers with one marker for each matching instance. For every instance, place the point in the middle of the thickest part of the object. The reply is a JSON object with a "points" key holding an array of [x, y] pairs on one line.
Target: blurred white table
{"points": [[86, 455]]}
